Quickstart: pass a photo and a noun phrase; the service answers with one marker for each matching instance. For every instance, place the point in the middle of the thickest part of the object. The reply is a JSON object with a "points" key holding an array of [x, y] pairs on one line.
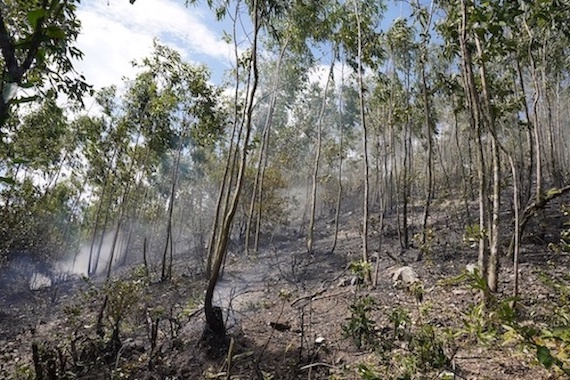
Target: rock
{"points": [[405, 275], [319, 340]]}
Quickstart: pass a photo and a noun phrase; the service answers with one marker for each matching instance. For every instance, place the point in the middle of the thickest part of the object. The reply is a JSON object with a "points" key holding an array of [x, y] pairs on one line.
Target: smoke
{"points": [[79, 263]]}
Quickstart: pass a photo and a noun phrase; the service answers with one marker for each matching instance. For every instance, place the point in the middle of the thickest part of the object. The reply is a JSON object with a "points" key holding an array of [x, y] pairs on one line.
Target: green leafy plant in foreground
{"points": [[361, 269], [360, 327], [496, 321], [551, 340], [401, 321]]}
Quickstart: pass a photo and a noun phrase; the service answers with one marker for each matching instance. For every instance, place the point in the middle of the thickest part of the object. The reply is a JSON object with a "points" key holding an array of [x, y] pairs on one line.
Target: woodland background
{"points": [[461, 109]]}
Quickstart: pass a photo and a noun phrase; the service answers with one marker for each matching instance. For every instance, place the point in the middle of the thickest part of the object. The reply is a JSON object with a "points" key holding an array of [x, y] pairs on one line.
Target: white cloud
{"points": [[114, 33]]}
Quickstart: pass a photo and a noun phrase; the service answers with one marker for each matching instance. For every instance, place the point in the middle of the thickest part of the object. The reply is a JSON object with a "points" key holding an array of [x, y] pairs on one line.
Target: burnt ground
{"points": [[285, 311]]}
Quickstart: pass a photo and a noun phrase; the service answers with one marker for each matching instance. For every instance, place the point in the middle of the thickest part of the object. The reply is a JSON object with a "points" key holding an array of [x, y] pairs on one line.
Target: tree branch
{"points": [[8, 50]]}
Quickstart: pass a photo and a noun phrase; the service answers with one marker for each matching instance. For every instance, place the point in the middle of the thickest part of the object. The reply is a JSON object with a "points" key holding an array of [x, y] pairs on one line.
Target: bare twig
{"points": [[312, 365]]}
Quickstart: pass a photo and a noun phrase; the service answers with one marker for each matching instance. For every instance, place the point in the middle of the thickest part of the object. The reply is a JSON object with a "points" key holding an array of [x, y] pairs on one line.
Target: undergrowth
{"points": [[404, 345]]}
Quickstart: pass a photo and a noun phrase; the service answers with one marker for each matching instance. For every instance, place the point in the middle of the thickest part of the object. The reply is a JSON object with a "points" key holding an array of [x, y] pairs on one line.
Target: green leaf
{"points": [[34, 17], [544, 357], [7, 180], [25, 99], [55, 32]]}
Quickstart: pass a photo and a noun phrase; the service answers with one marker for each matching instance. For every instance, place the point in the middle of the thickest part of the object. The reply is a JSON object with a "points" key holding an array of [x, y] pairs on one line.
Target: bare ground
{"points": [[285, 311]]}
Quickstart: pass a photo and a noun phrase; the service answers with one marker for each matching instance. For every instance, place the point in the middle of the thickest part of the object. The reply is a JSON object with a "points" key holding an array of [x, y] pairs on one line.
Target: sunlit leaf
{"points": [[55, 32], [544, 357], [7, 180], [34, 16]]}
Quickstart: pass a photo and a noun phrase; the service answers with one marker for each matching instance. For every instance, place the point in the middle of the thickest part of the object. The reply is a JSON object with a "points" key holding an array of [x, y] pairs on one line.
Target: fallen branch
{"points": [[312, 365], [308, 297], [535, 206]]}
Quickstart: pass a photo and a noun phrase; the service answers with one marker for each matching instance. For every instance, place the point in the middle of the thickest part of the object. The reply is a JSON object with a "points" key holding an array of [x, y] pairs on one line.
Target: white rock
{"points": [[406, 275]]}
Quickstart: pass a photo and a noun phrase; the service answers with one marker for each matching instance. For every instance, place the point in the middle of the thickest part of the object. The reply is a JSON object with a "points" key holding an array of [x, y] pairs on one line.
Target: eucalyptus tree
{"points": [[215, 332], [318, 149], [459, 31], [481, 34], [542, 32], [361, 50], [35, 200], [502, 21], [323, 20], [539, 42], [104, 151], [168, 103], [347, 109], [171, 110], [424, 18], [391, 101], [37, 42], [281, 77]]}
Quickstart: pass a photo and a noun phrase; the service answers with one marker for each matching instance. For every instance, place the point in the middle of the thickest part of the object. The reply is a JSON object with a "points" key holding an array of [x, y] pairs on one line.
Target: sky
{"points": [[115, 32]]}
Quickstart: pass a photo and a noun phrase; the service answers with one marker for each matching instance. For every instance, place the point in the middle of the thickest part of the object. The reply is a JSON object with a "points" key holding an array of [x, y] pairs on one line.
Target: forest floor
{"points": [[293, 315]]}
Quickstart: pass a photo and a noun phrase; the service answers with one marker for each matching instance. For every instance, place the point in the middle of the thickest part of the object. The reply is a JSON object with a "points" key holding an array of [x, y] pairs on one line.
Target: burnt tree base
{"points": [[214, 338]]}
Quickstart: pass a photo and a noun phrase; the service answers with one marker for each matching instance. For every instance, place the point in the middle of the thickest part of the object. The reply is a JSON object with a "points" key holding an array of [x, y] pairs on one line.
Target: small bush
{"points": [[360, 327]]}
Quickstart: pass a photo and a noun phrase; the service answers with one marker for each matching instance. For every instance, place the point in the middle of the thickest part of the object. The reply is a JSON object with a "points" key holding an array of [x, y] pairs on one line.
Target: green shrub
{"points": [[360, 327]]}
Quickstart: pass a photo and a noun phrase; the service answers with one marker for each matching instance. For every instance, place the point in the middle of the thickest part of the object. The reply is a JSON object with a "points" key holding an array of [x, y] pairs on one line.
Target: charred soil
{"points": [[291, 315]]}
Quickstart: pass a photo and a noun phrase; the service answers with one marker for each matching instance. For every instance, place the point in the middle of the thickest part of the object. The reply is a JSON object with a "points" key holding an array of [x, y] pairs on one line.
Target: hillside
{"points": [[291, 315]]}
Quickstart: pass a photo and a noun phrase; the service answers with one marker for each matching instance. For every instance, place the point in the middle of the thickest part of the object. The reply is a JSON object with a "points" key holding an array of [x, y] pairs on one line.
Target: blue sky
{"points": [[115, 32]]}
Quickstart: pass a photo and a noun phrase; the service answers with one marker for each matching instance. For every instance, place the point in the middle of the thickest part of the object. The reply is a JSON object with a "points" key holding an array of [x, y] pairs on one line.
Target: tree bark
{"points": [[214, 321], [364, 145], [318, 144], [474, 103]]}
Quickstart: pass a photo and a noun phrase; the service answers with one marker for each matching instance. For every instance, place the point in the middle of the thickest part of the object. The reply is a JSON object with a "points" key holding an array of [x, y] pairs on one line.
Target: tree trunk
{"points": [[340, 161], [526, 190], [318, 143], [257, 192], [536, 120], [428, 124], [476, 122], [167, 269], [429, 163], [493, 271], [364, 146], [406, 168], [215, 332], [224, 193], [494, 234], [465, 180]]}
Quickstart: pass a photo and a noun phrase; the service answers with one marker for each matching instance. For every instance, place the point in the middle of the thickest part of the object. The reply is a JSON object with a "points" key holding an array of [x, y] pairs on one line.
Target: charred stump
{"points": [[214, 338]]}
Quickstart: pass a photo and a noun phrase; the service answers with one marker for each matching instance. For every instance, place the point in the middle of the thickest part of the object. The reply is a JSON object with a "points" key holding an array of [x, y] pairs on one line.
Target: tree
{"points": [[364, 51], [37, 44], [215, 333], [424, 17], [36, 200]]}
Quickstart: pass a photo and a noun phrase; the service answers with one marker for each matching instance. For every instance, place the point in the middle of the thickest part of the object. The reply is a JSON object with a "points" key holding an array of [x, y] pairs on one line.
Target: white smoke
{"points": [[78, 264]]}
